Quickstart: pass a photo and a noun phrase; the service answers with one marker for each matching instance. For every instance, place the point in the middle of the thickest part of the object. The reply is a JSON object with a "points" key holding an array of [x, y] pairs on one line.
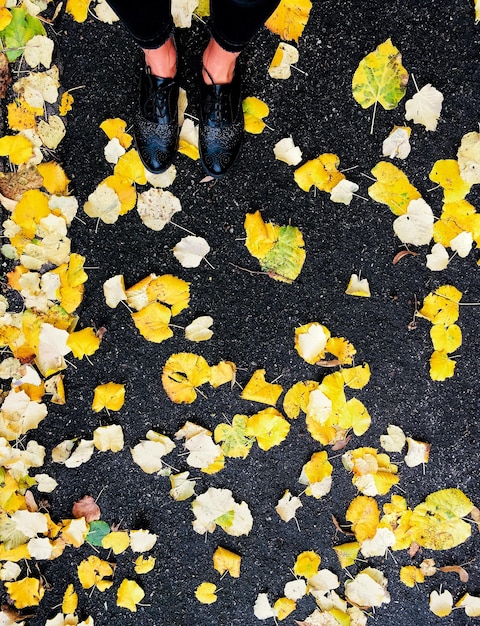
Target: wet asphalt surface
{"points": [[255, 317]]}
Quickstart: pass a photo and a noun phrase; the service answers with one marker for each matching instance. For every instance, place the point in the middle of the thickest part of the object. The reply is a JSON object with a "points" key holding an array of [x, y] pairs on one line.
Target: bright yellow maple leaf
{"points": [[95, 572], [268, 427], [223, 372], [55, 180], [21, 115], [356, 377], [307, 564], [296, 398], [205, 593], [342, 349], [380, 77], [446, 173], [392, 188], [182, 374], [410, 575], [227, 561], [254, 111], [289, 19], [18, 148], [259, 390], [116, 128], [321, 173], [130, 167], [129, 594], [283, 607], [153, 322], [25, 592], [110, 396], [364, 514], [78, 9], [446, 338], [83, 342]]}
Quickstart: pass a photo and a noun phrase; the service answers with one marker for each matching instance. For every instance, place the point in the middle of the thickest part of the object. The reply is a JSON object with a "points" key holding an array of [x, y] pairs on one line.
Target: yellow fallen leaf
{"points": [[259, 390], [70, 600], [129, 594], [83, 342], [234, 441], [285, 56], [254, 111], [410, 575], [347, 553], [307, 564], [297, 397], [321, 173], [143, 564], [441, 366], [223, 372], [95, 572], [110, 396], [283, 607], [205, 593], [289, 18], [125, 192], [78, 9], [358, 287], [116, 128], [117, 541], [30, 210], [441, 603], [261, 236], [108, 438], [446, 172], [311, 341], [364, 514], [153, 322], [52, 132], [66, 103], [441, 306], [25, 592], [188, 140], [130, 167], [268, 427], [55, 180], [18, 148], [21, 115], [170, 290], [392, 188], [226, 561], [182, 374]]}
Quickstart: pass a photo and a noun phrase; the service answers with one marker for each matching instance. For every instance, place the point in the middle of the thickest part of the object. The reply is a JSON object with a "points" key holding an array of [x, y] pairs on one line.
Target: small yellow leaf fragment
{"points": [[65, 103], [441, 603], [205, 593], [117, 541], [358, 287], [95, 572], [129, 594], [254, 110], [226, 561], [78, 9], [259, 390], [110, 396], [143, 565], [321, 173], [347, 553], [283, 607], [289, 19], [409, 575], [70, 600], [307, 564]]}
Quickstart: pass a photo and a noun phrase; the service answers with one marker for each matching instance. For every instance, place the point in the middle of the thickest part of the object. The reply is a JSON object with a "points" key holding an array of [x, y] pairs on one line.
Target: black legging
{"points": [[232, 23]]}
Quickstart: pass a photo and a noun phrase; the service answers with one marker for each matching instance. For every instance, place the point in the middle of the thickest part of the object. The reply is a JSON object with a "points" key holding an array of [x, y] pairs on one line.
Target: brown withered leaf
{"points": [[5, 78], [475, 513], [402, 254], [339, 445], [457, 569], [86, 507], [14, 184], [30, 502], [14, 615], [414, 548]]}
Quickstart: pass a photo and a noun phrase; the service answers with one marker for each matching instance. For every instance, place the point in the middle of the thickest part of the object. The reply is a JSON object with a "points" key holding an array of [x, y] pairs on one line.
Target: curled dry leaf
{"points": [[403, 253], [457, 569], [86, 507]]}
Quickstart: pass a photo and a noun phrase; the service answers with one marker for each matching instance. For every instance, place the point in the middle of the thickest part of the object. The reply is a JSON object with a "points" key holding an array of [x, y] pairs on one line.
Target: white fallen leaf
{"points": [[52, 347], [165, 179], [425, 107], [441, 603], [66, 205], [285, 150], [39, 87], [418, 452], [182, 105], [343, 192], [468, 157], [45, 483], [156, 207], [379, 543], [38, 50], [188, 140], [82, 454], [358, 287], [262, 608], [105, 13], [182, 487], [285, 56], [114, 290], [10, 571], [462, 244], [368, 588], [190, 251], [108, 438], [62, 451], [203, 450], [295, 589], [394, 440], [52, 132], [319, 406], [113, 150], [217, 506], [30, 523], [103, 203], [287, 506], [142, 540], [182, 11], [438, 258], [471, 604], [397, 144], [199, 329], [148, 453], [40, 548], [416, 225]]}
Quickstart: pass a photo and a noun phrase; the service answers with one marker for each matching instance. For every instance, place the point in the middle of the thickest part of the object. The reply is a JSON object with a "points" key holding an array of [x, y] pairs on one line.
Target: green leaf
{"points": [[285, 260], [98, 530], [20, 30]]}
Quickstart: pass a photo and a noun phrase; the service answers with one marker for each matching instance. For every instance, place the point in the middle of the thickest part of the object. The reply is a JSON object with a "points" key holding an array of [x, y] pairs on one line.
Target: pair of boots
{"points": [[221, 125]]}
